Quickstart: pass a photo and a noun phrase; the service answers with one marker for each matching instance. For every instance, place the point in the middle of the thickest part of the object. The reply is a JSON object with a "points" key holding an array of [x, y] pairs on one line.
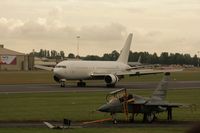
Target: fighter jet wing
{"points": [[165, 104]]}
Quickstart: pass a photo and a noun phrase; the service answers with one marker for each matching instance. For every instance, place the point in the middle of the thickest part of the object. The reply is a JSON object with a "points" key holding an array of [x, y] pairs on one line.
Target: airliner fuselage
{"points": [[81, 70]]}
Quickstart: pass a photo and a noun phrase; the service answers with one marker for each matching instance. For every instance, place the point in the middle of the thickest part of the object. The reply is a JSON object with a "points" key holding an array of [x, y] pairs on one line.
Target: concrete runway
{"points": [[32, 88]]}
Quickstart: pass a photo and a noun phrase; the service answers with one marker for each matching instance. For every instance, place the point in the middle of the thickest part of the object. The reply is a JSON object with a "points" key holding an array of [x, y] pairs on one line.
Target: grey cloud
{"points": [[113, 31], [34, 30]]}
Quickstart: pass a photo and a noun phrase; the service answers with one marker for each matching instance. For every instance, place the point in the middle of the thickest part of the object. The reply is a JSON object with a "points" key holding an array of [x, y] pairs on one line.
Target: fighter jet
{"points": [[120, 101]]}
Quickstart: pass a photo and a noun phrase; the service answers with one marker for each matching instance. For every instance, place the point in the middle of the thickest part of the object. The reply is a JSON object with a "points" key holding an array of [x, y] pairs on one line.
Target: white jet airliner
{"points": [[109, 71]]}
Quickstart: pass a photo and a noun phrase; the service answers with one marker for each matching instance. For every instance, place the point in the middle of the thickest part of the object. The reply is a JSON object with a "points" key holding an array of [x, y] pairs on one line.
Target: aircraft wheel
{"points": [[81, 84], [78, 84], [114, 121], [62, 84], [110, 85], [150, 118]]}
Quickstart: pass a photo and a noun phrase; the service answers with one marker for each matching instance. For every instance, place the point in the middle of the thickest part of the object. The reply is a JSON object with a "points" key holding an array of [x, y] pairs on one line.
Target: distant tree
{"points": [[62, 54], [164, 58], [54, 53], [71, 55], [114, 55], [92, 57], [48, 53], [195, 60], [155, 59]]}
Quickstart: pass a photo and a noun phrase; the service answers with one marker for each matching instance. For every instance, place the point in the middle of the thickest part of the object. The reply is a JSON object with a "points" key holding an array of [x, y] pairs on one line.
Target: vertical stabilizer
{"points": [[161, 90], [139, 59], [125, 51]]}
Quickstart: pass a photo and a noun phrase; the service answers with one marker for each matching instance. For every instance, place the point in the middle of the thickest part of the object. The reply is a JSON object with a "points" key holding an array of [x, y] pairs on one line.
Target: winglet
{"points": [[125, 51]]}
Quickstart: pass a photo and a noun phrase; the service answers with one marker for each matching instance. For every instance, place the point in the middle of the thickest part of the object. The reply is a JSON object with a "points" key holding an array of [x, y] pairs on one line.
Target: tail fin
{"points": [[125, 51], [139, 59], [161, 90]]}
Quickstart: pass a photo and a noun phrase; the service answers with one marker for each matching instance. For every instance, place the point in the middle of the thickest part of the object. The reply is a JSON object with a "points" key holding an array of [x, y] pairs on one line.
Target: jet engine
{"points": [[56, 79], [111, 79]]}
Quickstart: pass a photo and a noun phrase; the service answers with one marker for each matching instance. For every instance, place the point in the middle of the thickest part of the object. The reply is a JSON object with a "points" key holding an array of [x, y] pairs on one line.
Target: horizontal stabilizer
{"points": [[44, 67], [49, 125]]}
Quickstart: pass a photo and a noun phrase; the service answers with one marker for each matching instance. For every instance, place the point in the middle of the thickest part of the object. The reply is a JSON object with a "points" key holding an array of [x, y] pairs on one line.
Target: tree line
{"points": [[164, 58]]}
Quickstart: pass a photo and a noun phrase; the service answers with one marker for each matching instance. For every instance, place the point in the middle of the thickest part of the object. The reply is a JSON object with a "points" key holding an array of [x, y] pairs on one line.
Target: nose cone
{"points": [[104, 108], [57, 71]]}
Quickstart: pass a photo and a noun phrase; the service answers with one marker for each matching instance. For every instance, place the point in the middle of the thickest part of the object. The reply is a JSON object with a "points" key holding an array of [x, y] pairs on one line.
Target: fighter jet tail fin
{"points": [[125, 51], [161, 90]]}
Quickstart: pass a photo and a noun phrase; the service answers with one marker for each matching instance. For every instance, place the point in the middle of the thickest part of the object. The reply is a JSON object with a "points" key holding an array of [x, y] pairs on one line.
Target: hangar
{"points": [[13, 60]]}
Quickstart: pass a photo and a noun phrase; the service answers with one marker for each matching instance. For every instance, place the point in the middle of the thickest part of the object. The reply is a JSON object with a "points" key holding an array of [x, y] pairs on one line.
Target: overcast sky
{"points": [[103, 25]]}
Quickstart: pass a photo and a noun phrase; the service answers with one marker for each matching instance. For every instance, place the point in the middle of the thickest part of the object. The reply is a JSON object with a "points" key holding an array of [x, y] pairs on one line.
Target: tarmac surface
{"points": [[108, 124], [34, 88]]}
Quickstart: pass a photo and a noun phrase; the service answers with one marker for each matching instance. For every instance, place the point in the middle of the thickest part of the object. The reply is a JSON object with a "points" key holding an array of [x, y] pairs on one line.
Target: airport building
{"points": [[13, 60]]}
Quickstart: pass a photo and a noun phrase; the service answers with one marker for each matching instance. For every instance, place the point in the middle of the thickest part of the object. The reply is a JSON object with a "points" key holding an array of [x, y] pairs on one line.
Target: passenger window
{"points": [[61, 67]]}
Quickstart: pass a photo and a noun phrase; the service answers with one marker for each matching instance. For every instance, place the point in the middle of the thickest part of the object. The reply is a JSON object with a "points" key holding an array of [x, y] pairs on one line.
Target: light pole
{"points": [[78, 37], [198, 57]]}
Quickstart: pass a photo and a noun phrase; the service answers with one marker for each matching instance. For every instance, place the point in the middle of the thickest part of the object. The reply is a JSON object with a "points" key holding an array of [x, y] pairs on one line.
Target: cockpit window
{"points": [[59, 66]]}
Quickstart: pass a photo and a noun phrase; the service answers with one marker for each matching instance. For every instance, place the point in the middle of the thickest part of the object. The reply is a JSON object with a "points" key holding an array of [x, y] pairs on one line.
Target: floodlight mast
{"points": [[78, 37]]}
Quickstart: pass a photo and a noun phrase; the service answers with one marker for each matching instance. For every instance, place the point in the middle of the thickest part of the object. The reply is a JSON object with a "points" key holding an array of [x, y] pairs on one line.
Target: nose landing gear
{"points": [[62, 83]]}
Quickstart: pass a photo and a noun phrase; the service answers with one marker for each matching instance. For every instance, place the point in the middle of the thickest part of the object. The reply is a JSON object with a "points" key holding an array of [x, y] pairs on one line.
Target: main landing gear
{"points": [[114, 118], [110, 85], [81, 84], [169, 113], [62, 83], [149, 118]]}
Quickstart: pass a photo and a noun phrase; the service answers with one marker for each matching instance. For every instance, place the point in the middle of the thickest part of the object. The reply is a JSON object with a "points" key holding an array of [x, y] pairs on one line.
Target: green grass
{"points": [[97, 130], [79, 106], [43, 77], [25, 77]]}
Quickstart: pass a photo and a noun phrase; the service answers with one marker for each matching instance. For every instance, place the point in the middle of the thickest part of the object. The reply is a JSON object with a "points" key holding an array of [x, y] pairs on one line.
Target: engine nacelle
{"points": [[111, 79], [56, 79]]}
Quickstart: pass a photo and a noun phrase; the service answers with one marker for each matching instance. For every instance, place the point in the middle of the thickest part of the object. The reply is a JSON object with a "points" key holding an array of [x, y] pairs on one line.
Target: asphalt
{"points": [[33, 88], [108, 124]]}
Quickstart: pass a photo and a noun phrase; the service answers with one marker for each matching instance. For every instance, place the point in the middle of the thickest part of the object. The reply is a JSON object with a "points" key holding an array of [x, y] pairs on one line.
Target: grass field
{"points": [[43, 77], [96, 130], [79, 107]]}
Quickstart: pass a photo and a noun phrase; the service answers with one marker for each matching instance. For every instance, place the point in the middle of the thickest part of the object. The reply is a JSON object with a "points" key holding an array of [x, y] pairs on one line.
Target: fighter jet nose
{"points": [[104, 108]]}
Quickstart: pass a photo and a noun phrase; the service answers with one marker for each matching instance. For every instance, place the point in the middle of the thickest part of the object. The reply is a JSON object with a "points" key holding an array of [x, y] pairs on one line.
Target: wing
{"points": [[136, 67], [135, 72], [166, 104], [44, 67], [146, 72]]}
